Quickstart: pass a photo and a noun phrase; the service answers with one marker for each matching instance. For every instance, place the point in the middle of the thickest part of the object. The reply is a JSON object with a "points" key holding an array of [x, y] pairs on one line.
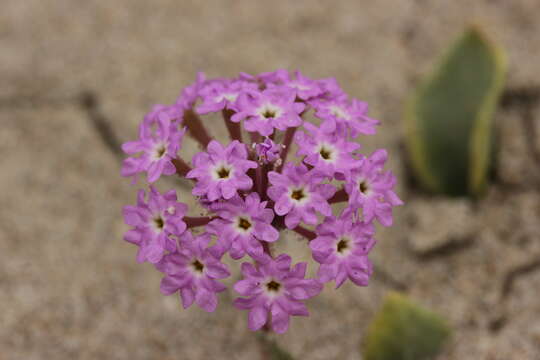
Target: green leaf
{"points": [[402, 330], [449, 119]]}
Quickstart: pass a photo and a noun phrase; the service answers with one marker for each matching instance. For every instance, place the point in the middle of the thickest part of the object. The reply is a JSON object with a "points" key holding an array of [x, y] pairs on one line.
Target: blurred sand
{"points": [[70, 287]]}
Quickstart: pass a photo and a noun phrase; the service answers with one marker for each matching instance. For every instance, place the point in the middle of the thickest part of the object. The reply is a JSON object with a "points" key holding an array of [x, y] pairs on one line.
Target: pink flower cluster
{"points": [[252, 193]]}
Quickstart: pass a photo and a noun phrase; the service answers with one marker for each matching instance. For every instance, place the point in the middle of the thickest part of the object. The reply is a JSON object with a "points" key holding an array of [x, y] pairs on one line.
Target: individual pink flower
{"points": [[340, 112], [242, 225], [329, 153], [303, 87], [299, 194], [172, 112], [267, 151], [372, 189], [221, 171], [193, 272], [156, 148], [190, 94], [273, 290], [341, 247], [279, 76], [155, 223], [268, 110], [221, 95], [331, 89]]}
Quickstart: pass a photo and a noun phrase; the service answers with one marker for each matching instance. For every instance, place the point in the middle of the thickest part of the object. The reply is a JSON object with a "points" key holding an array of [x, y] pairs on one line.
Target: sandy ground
{"points": [[70, 287]]}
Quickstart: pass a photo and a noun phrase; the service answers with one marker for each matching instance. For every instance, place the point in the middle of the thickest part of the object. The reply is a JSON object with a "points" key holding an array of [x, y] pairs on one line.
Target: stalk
{"points": [[289, 135], [339, 196], [182, 168], [310, 235], [196, 128], [234, 128], [197, 221]]}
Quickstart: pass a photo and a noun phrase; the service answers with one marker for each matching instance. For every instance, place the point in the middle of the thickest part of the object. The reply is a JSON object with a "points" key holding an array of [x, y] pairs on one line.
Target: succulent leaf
{"points": [[402, 330], [449, 119]]}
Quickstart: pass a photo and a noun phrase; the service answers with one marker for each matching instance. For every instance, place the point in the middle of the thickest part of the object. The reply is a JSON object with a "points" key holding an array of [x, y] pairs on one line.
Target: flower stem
{"points": [[259, 180], [181, 167], [339, 196], [310, 235], [195, 128], [266, 168], [234, 128], [255, 137], [197, 221], [289, 135], [266, 247]]}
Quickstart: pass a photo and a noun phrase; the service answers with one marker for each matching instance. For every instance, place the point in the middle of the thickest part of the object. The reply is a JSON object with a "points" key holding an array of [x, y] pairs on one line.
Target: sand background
{"points": [[70, 287]]}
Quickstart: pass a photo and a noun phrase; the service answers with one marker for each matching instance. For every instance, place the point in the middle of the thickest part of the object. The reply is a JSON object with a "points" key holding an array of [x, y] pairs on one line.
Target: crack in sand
{"points": [[89, 102], [525, 100]]}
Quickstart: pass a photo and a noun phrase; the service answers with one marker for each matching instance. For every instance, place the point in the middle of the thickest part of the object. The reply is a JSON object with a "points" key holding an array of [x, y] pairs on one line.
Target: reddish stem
{"points": [[310, 235], [289, 136], [181, 167], [255, 137], [259, 179], [234, 128], [195, 128], [266, 247], [197, 221], [265, 170], [339, 196]]}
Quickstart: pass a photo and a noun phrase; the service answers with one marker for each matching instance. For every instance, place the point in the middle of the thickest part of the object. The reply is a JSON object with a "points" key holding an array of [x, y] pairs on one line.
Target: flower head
{"points": [[267, 151], [341, 247], [193, 271], [268, 110], [339, 113], [242, 225], [331, 89], [248, 192], [158, 144], [221, 171], [275, 290], [223, 94], [278, 76], [155, 223], [372, 189], [299, 194], [303, 87], [190, 94], [328, 153]]}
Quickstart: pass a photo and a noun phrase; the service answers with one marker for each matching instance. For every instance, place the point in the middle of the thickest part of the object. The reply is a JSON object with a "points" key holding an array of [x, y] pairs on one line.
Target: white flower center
{"points": [[363, 187], [298, 86], [269, 111], [344, 246], [243, 224], [272, 287], [197, 267], [157, 223], [231, 97], [299, 195], [327, 152], [222, 171], [159, 151], [339, 112]]}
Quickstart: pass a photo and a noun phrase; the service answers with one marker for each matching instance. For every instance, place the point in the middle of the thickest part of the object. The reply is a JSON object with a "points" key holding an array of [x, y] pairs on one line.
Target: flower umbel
{"points": [[251, 193]]}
